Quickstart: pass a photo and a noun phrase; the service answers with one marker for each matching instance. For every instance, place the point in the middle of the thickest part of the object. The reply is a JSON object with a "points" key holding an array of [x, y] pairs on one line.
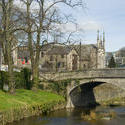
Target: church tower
{"points": [[100, 51]]}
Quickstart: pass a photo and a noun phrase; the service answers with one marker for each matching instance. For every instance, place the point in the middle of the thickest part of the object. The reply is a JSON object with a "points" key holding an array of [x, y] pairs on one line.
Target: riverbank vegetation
{"points": [[93, 115], [59, 87], [26, 103]]}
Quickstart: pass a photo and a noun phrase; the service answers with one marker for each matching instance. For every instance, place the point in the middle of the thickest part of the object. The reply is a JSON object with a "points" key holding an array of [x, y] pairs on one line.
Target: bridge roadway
{"points": [[85, 74]]}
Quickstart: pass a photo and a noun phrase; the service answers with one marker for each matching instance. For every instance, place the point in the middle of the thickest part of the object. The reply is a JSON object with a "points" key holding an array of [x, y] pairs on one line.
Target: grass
{"points": [[24, 98]]}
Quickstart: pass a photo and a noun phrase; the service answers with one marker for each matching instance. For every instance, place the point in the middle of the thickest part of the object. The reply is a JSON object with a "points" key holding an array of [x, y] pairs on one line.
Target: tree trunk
{"points": [[10, 72], [35, 67], [35, 77], [7, 42]]}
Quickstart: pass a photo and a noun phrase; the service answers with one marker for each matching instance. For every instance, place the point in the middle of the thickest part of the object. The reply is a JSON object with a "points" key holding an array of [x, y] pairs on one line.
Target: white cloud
{"points": [[69, 27], [83, 26], [90, 26]]}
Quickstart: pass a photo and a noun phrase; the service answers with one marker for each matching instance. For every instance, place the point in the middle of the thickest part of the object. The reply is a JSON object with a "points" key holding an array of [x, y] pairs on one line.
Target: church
{"points": [[59, 57]]}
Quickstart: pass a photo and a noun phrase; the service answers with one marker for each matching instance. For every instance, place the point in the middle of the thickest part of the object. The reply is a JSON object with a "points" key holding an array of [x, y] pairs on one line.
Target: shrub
{"points": [[22, 79], [40, 86], [3, 78], [59, 87], [26, 74]]}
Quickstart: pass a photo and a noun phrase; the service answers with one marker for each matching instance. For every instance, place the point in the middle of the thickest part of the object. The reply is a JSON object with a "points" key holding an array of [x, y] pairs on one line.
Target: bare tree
{"points": [[7, 38], [37, 23], [9, 24]]}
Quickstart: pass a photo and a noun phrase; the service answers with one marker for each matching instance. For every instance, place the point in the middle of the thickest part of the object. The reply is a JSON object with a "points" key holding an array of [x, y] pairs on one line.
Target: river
{"points": [[73, 117]]}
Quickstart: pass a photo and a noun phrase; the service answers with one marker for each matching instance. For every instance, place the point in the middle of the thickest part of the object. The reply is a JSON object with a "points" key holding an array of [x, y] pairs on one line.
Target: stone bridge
{"points": [[94, 86]]}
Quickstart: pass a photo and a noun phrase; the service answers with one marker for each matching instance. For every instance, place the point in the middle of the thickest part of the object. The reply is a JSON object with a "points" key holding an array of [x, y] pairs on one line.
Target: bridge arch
{"points": [[90, 83], [83, 95], [92, 92]]}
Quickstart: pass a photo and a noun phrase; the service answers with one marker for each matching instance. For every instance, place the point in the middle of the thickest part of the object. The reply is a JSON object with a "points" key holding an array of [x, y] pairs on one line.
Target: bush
{"points": [[26, 74], [3, 78], [40, 86], [22, 79], [59, 87]]}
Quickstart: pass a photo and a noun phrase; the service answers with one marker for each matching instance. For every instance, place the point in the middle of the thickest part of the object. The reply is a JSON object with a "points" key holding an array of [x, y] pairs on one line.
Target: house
{"points": [[23, 56], [58, 57]]}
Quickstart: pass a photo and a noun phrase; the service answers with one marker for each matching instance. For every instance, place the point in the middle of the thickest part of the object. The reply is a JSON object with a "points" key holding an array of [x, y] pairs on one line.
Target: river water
{"points": [[73, 117]]}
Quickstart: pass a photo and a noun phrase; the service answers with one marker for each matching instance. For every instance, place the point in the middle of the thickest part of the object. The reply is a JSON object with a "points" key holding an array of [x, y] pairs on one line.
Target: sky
{"points": [[103, 15], [107, 15]]}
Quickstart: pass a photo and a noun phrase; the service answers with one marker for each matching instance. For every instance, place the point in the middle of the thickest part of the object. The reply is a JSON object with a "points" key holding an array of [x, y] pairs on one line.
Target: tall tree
{"points": [[112, 63], [7, 38], [38, 22], [9, 22]]}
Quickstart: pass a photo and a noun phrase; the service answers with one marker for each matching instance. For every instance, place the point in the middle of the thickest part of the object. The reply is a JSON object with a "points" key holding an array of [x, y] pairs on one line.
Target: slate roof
{"points": [[56, 49], [86, 50], [59, 49]]}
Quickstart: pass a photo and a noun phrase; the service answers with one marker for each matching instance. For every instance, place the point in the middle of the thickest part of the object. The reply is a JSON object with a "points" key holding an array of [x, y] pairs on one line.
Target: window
{"points": [[26, 59], [58, 65], [84, 66], [63, 64], [51, 58], [62, 56], [42, 54]]}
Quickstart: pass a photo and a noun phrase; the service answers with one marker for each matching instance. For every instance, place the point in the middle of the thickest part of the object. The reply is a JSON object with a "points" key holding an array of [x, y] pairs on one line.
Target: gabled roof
{"points": [[86, 50], [59, 49], [56, 49]]}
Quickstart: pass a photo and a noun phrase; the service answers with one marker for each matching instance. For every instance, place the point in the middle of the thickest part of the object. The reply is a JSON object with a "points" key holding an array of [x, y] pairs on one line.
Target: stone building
{"points": [[23, 56], [100, 51], [92, 56], [119, 57], [59, 57], [87, 56]]}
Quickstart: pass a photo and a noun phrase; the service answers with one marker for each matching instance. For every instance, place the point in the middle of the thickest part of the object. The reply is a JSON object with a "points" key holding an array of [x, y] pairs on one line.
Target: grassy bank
{"points": [[26, 103]]}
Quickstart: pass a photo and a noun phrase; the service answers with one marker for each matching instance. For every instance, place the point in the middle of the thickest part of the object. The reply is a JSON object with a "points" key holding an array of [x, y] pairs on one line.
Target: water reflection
{"points": [[73, 117]]}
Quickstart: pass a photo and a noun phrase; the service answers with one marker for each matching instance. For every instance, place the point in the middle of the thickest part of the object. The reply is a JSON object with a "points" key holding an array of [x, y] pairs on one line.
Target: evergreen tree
{"points": [[112, 63]]}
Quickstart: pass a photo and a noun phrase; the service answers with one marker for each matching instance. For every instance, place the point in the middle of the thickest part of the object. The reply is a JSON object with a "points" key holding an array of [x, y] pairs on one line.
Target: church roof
{"points": [[56, 49], [86, 50], [53, 49]]}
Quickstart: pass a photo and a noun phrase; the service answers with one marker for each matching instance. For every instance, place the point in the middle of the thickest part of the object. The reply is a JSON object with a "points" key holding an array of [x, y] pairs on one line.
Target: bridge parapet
{"points": [[93, 73]]}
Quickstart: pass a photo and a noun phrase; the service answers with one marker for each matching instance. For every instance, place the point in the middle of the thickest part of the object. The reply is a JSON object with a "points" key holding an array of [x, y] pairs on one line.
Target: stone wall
{"points": [[91, 93], [98, 73]]}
